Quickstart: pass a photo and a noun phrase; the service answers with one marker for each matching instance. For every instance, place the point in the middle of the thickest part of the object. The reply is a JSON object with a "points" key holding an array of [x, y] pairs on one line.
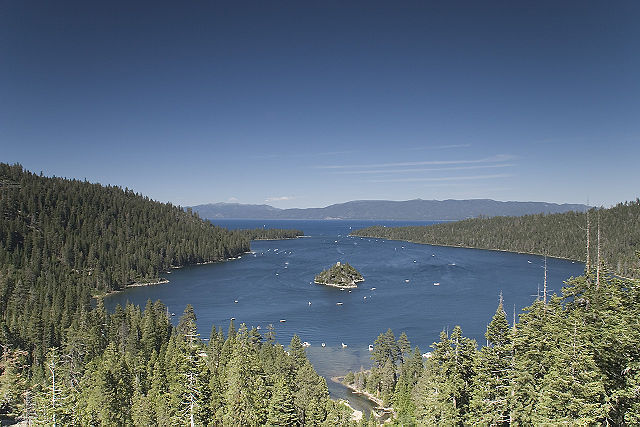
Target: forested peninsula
{"points": [[65, 362], [562, 235]]}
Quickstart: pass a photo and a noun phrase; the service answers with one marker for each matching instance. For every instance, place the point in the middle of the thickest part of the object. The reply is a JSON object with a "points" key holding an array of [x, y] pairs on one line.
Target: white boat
{"points": [[370, 347], [338, 303], [306, 344], [436, 283], [235, 301], [323, 344], [373, 289], [406, 281], [258, 327], [309, 302], [344, 345], [283, 320]]}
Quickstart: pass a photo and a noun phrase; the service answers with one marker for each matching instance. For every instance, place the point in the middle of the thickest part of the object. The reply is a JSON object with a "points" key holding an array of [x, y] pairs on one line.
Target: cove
{"points": [[275, 282]]}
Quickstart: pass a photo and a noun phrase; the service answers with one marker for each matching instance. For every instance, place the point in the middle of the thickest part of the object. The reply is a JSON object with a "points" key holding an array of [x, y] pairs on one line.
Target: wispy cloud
{"points": [[493, 159], [305, 154], [443, 178], [279, 199], [441, 147], [414, 170]]}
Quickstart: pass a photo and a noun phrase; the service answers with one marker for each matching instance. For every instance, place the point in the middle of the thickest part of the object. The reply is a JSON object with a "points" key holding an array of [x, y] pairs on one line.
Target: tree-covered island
{"points": [[340, 275]]}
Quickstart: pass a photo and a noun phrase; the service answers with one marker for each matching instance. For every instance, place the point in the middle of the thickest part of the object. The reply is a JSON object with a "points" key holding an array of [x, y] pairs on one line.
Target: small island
{"points": [[340, 276]]}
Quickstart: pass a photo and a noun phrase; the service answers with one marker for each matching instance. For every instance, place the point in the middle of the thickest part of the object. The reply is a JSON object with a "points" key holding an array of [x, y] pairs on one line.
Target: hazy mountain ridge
{"points": [[417, 209]]}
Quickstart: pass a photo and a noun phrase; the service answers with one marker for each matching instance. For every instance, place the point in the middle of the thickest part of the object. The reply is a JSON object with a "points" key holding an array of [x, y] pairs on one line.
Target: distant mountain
{"points": [[409, 210]]}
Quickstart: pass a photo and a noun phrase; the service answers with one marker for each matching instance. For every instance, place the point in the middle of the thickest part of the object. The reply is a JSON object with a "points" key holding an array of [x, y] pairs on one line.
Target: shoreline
{"points": [[467, 247], [161, 280], [356, 415], [282, 238], [353, 285], [368, 396]]}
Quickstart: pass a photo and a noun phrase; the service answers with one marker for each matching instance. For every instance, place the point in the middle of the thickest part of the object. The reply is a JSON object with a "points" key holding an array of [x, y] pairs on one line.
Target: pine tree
{"points": [[246, 389], [443, 391], [489, 403], [282, 410], [310, 395], [572, 391]]}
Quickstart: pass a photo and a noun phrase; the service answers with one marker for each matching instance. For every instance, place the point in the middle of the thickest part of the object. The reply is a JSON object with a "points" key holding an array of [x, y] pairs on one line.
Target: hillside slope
{"points": [[560, 235]]}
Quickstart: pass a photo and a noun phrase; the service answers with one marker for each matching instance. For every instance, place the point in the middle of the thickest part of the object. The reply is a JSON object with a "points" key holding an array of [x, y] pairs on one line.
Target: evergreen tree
{"points": [[573, 390], [489, 403], [282, 410], [443, 392]]}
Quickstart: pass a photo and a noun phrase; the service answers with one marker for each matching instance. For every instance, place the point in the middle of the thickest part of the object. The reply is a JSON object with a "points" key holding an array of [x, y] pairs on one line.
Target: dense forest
{"points": [[569, 360], [562, 235], [133, 368], [62, 241], [573, 359]]}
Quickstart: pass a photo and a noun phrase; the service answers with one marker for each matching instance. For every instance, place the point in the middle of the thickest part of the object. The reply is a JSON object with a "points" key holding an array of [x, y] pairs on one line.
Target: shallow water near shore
{"points": [[418, 289]]}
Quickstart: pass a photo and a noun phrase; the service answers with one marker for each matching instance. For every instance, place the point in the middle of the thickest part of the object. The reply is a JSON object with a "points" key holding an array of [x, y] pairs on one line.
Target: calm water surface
{"points": [[275, 282]]}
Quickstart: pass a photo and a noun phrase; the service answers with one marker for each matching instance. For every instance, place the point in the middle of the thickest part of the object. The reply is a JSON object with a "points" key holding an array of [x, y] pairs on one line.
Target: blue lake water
{"points": [[275, 282]]}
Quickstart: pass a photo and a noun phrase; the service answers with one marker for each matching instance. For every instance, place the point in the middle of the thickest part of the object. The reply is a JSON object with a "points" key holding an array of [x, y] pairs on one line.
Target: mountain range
{"points": [[408, 210]]}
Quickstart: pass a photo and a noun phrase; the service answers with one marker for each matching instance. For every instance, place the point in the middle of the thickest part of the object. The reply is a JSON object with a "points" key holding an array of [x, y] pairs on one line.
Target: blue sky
{"points": [[304, 104]]}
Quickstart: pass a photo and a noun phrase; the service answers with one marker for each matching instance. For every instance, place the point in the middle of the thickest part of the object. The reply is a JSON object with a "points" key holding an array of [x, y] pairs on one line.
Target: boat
{"points": [[306, 344], [406, 281], [309, 302], [338, 303], [235, 301], [344, 345], [283, 320], [370, 347], [529, 261], [436, 283], [258, 327], [323, 344]]}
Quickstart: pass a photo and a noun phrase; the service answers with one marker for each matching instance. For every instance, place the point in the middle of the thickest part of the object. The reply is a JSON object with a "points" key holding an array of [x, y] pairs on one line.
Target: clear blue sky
{"points": [[301, 104]]}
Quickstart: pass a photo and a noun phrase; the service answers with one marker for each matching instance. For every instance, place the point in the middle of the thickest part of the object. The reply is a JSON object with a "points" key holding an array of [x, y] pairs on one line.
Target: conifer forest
{"points": [[568, 359]]}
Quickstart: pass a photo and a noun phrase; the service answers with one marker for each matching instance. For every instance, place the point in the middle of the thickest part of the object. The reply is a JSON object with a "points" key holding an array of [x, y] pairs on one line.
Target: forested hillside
{"points": [[106, 236], [570, 360], [64, 362], [561, 235]]}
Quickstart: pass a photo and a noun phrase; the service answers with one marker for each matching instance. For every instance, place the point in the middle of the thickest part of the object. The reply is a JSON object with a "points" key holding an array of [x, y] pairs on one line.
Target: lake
{"points": [[275, 282]]}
